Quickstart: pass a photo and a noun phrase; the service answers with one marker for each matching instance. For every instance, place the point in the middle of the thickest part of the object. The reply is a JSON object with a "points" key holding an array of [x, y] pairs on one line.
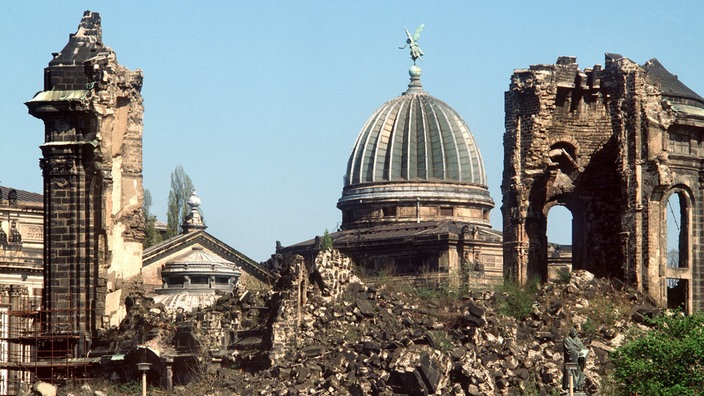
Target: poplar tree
{"points": [[151, 235], [181, 190]]}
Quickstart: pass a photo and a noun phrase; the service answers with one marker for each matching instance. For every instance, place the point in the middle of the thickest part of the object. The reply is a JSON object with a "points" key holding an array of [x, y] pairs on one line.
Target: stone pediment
{"points": [[179, 245]]}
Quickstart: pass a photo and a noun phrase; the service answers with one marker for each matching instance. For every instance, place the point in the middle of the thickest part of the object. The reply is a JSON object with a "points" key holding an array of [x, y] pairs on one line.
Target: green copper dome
{"points": [[414, 160], [415, 137]]}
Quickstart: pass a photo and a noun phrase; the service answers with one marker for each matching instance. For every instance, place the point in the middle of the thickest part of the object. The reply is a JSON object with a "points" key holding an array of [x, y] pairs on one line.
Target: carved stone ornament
{"points": [[60, 166], [13, 290]]}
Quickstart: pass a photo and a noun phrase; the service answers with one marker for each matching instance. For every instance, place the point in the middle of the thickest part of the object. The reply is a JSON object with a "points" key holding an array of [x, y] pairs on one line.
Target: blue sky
{"points": [[261, 101]]}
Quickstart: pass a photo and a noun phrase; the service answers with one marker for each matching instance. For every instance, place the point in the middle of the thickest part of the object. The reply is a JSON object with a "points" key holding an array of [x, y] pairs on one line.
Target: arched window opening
{"points": [[676, 232], [559, 237], [676, 229]]}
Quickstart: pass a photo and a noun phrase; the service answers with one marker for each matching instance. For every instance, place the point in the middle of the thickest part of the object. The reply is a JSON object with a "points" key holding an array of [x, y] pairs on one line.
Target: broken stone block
{"points": [[430, 372], [409, 383], [365, 307]]}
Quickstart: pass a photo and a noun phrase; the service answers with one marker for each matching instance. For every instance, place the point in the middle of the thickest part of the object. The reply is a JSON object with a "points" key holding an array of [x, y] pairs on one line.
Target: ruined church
{"points": [[615, 145]]}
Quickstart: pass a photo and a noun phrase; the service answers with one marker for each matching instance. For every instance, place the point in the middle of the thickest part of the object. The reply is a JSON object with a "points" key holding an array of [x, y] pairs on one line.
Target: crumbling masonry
{"points": [[613, 145], [92, 167]]}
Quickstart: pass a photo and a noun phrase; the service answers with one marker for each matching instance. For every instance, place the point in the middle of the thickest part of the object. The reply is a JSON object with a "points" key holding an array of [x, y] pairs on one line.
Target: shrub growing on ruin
{"points": [[667, 360], [326, 241], [516, 300]]}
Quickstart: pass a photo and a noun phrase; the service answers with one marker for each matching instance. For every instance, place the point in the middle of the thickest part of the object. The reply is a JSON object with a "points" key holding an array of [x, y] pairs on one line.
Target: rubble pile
{"points": [[372, 340], [376, 338], [145, 323]]}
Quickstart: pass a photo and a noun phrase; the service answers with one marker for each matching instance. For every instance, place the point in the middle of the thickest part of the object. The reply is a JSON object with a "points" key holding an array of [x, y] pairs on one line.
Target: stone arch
{"points": [[575, 206], [565, 140], [564, 156], [676, 285]]}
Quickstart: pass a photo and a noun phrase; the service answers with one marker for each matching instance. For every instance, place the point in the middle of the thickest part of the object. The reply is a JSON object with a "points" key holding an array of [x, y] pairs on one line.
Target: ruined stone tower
{"points": [[92, 168], [614, 145]]}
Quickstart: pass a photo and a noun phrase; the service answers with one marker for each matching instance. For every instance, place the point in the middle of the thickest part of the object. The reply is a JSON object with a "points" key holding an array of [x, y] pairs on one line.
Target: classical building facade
{"points": [[92, 167], [21, 240], [415, 197], [21, 266], [616, 145], [193, 269]]}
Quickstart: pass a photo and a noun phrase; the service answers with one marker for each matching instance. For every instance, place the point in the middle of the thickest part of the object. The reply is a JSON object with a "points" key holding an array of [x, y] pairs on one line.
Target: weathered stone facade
{"points": [[21, 259], [612, 145], [92, 167]]}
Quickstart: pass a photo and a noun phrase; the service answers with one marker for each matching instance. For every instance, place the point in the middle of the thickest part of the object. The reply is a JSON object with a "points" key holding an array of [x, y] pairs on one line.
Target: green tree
{"points": [[668, 360], [326, 241], [177, 209], [151, 235]]}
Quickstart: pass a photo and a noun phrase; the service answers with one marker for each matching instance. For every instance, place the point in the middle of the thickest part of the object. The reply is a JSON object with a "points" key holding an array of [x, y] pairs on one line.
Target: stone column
{"points": [[92, 163]]}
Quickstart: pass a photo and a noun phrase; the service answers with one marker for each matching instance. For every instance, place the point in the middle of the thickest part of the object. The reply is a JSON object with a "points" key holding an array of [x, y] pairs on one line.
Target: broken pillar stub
{"points": [[92, 169], [68, 68]]}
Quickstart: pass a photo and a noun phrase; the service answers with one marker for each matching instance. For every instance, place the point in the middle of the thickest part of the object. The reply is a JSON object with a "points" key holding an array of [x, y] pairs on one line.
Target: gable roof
{"points": [[203, 238]]}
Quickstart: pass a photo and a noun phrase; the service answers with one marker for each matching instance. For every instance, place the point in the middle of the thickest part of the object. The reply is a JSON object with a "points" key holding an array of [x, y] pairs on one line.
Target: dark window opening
{"points": [[175, 280], [677, 293], [679, 142], [12, 197], [389, 211], [446, 211]]}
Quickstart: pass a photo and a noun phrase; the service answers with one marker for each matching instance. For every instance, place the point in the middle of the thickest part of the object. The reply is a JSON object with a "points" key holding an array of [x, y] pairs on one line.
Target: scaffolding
{"points": [[30, 351]]}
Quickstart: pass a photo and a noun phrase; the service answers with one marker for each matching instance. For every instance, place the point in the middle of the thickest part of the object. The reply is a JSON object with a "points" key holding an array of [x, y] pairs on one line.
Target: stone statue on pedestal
{"points": [[575, 354]]}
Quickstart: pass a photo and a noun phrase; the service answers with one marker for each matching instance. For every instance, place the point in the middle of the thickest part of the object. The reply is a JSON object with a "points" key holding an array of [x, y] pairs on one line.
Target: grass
{"points": [[564, 275], [604, 311], [441, 340], [516, 300]]}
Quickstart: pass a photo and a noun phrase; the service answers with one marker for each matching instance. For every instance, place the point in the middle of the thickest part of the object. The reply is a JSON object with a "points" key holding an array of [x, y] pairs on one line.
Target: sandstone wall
{"points": [[92, 163], [612, 145]]}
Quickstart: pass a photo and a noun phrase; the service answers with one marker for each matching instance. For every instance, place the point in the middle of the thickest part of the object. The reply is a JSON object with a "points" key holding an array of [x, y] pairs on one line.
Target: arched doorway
{"points": [[559, 232], [676, 249]]}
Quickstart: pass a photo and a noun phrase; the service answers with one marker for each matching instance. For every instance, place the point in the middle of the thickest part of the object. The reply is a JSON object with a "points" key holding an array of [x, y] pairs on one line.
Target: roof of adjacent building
{"points": [[668, 82], [199, 256], [436, 230], [415, 137], [22, 195]]}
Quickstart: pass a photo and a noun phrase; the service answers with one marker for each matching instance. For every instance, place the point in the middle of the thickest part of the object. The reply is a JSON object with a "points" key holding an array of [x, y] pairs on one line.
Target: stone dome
{"points": [[415, 148], [415, 137]]}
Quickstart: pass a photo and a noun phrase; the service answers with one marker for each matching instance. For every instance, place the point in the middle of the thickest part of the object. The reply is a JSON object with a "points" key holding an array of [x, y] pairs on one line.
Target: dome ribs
{"points": [[394, 159], [451, 163], [415, 137], [354, 164], [382, 149], [422, 147], [436, 151]]}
